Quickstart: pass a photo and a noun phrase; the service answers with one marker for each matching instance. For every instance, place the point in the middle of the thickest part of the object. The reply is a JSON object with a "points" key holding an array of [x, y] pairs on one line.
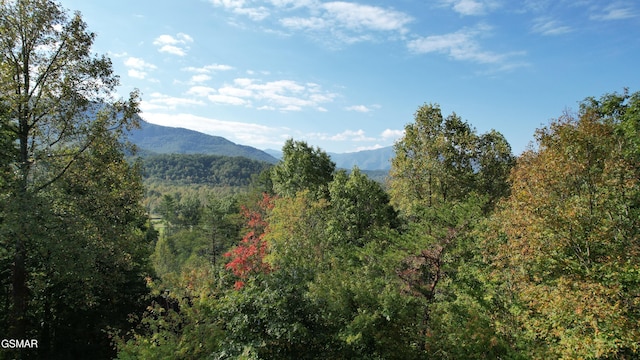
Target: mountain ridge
{"points": [[158, 139], [375, 159], [176, 140]]}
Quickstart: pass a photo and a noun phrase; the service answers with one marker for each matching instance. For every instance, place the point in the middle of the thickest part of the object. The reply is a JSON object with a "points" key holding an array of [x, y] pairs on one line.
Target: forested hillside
{"points": [[213, 170], [465, 252]]}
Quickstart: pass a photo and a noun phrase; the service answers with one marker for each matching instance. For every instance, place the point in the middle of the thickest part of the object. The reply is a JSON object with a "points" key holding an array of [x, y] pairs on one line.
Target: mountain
{"points": [[151, 138], [378, 159], [169, 140], [275, 153]]}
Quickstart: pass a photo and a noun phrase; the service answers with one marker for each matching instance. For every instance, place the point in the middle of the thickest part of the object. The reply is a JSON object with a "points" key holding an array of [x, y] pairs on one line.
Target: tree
{"points": [[57, 106], [87, 271], [358, 205], [442, 160], [564, 244], [444, 179], [494, 162], [247, 258], [340, 253], [302, 167]]}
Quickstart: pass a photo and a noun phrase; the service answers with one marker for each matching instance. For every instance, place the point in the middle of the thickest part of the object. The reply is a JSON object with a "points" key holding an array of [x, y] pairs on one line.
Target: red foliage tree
{"points": [[247, 258]]}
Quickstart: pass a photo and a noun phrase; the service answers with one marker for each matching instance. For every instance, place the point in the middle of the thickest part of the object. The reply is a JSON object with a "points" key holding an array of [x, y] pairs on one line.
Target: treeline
{"points": [[471, 253], [213, 170]]}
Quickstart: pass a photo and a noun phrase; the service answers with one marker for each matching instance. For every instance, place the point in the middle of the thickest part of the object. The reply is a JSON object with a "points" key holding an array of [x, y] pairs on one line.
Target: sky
{"points": [[349, 75]]}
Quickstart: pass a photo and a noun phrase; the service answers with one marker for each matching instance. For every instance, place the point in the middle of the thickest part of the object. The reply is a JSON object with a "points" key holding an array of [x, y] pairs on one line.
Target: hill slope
{"points": [[170, 140], [213, 170]]}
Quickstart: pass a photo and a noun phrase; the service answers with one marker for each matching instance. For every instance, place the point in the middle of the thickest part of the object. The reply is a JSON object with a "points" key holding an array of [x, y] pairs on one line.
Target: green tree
{"points": [[302, 168], [494, 161], [341, 253], [444, 179], [441, 160], [564, 244], [58, 113], [358, 205], [88, 274]]}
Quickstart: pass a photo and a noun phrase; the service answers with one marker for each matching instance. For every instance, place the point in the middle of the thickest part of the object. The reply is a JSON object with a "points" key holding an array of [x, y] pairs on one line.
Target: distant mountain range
{"points": [[151, 138], [169, 140], [378, 159]]}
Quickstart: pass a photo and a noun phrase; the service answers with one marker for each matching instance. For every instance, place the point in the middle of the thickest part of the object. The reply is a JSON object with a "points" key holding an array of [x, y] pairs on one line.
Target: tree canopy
{"points": [[566, 240], [302, 168]]}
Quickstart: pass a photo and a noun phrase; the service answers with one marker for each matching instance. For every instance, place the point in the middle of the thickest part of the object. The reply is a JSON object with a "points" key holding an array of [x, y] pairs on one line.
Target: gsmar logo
{"points": [[19, 343]]}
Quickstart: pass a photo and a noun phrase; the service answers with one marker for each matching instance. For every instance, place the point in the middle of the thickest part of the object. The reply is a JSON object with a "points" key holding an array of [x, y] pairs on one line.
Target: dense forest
{"points": [[202, 169], [465, 252]]}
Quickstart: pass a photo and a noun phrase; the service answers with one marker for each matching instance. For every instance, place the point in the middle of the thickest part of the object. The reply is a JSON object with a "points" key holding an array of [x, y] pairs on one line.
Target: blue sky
{"points": [[349, 75]]}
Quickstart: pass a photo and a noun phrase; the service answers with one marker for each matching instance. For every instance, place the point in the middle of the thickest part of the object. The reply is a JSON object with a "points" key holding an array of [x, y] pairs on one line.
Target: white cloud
{"points": [[291, 108], [138, 67], [358, 108], [200, 78], [227, 100], [256, 14], [472, 7], [293, 4], [230, 4], [546, 26], [137, 74], [372, 147], [347, 22], [356, 16], [235, 91], [176, 45], [300, 23], [460, 45], [202, 91], [283, 95], [207, 69], [351, 135], [257, 135], [363, 108], [238, 7], [137, 63], [171, 49], [615, 11], [390, 134], [158, 101]]}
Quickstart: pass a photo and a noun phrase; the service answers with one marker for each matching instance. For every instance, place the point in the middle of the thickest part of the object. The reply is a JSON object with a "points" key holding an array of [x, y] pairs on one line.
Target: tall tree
{"points": [[86, 273], [302, 168], [565, 242], [442, 175], [442, 160], [59, 104], [358, 206]]}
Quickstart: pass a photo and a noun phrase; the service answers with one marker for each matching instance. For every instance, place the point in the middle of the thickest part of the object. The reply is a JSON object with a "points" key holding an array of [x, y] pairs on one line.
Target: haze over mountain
{"points": [[377, 159], [172, 140]]}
